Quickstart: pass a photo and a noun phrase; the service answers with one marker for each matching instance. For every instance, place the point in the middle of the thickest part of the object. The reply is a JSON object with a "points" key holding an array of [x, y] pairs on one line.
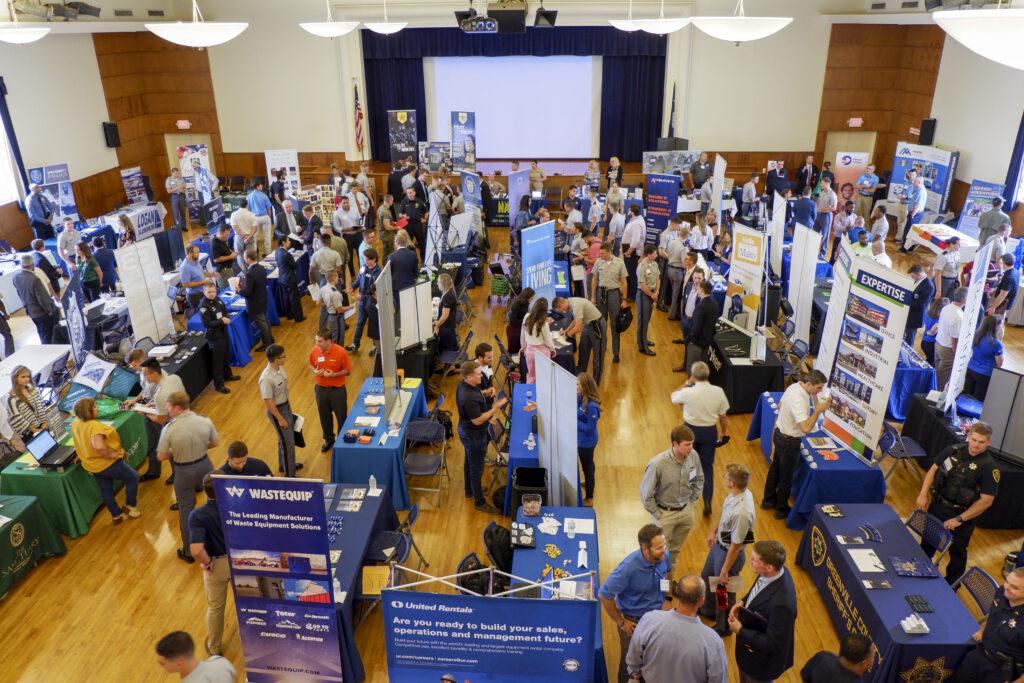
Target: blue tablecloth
{"points": [[908, 380], [356, 461], [242, 331], [846, 480], [376, 514], [823, 269], [528, 563], [104, 231], [876, 613], [561, 274]]}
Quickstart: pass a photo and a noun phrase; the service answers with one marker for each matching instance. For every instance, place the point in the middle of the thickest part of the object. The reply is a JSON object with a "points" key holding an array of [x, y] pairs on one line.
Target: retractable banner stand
{"points": [[482, 639], [471, 198], [968, 326], [286, 160], [194, 164], [134, 188], [71, 301], [463, 137], [777, 231], [806, 244], [662, 197], [979, 200], [936, 166], [402, 135], [539, 260], [276, 533], [836, 309], [518, 185], [718, 183], [849, 165], [557, 446], [867, 351], [434, 155], [55, 184], [746, 271], [148, 304]]}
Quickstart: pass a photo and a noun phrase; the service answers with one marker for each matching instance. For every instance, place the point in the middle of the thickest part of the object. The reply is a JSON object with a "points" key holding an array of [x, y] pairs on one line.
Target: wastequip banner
{"points": [[848, 166], [134, 188], [402, 135], [192, 158], [276, 534], [539, 259], [55, 184], [979, 200], [867, 351], [463, 137], [286, 160], [936, 166], [482, 639], [662, 197]]}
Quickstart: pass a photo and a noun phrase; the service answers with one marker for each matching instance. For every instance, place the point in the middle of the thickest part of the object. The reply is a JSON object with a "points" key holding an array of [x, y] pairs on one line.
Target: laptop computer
{"points": [[47, 452]]}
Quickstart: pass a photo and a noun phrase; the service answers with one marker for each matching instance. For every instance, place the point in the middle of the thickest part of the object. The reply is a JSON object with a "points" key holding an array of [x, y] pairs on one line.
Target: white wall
{"points": [[276, 86], [977, 107], [57, 105]]}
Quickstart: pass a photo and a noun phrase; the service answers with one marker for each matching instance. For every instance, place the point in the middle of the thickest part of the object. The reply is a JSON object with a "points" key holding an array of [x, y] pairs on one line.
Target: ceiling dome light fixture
{"points": [[661, 26], [329, 28], [385, 27], [17, 34], [740, 28], [992, 33], [625, 24], [197, 33]]}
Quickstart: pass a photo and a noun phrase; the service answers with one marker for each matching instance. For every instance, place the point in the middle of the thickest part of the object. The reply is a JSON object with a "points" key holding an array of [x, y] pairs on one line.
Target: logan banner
{"points": [[463, 137], [276, 535], [402, 135], [662, 197], [482, 639], [979, 200], [936, 166], [747, 270], [539, 259]]}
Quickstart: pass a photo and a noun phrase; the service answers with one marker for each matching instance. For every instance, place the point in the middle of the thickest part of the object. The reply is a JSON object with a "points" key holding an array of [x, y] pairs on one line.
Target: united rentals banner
{"points": [[979, 200], [867, 351], [849, 165], [194, 164], [968, 325], [662, 197], [539, 259], [283, 161], [276, 535], [463, 137], [402, 135], [55, 184], [480, 638], [747, 270], [936, 166]]}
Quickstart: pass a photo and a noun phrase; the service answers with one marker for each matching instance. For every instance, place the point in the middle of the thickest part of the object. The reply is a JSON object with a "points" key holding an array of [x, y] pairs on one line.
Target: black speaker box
{"points": [[927, 135], [509, 20], [110, 133]]}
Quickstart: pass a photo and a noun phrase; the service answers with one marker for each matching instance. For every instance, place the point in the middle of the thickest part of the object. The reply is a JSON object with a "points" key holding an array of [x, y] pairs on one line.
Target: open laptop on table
{"points": [[47, 452]]}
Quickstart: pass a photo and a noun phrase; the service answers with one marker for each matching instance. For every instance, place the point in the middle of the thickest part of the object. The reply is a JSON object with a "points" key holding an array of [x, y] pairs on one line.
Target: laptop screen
{"points": [[42, 444]]}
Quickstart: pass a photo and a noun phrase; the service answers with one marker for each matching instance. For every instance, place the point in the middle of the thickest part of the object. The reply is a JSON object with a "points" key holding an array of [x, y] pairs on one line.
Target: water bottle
{"points": [[529, 395], [373, 483], [570, 528], [722, 597]]}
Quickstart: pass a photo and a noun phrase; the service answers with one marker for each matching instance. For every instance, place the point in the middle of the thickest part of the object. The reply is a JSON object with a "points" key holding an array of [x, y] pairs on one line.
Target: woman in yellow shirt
{"points": [[99, 448]]}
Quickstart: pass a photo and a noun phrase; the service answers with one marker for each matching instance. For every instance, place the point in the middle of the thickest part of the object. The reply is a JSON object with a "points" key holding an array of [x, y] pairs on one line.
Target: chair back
{"points": [[410, 519], [799, 349], [501, 347], [788, 328], [146, 343], [402, 549], [930, 529], [887, 444], [981, 586], [484, 536]]}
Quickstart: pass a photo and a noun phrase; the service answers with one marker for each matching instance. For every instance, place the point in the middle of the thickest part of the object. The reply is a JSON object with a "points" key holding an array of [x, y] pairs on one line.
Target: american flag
{"points": [[359, 122]]}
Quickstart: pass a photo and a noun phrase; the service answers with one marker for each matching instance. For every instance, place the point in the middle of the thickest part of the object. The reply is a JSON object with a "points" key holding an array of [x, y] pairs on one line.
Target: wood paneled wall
{"points": [[884, 74]]}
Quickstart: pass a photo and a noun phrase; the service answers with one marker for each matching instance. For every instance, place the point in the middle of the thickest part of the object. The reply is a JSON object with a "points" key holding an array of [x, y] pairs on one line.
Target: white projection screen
{"points": [[526, 107]]}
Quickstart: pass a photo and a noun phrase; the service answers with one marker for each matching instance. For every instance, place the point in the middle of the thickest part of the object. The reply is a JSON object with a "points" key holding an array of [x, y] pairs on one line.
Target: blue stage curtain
{"points": [[1013, 172], [632, 80], [393, 84], [12, 139], [632, 95]]}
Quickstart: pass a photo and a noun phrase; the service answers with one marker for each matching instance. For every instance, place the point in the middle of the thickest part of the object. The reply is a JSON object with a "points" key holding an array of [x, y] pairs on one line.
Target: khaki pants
{"points": [[862, 206], [901, 221], [266, 229], [676, 525], [943, 365], [216, 582]]}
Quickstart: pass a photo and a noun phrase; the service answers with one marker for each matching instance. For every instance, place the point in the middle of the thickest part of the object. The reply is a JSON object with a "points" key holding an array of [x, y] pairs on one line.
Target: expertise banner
{"points": [[487, 640]]}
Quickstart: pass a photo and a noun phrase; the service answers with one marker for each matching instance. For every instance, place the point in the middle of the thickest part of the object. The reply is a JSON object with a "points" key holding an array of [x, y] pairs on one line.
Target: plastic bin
{"points": [[528, 480]]}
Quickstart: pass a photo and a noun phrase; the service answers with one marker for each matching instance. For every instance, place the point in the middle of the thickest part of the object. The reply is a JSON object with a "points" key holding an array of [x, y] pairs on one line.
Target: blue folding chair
{"points": [[930, 529], [981, 587]]}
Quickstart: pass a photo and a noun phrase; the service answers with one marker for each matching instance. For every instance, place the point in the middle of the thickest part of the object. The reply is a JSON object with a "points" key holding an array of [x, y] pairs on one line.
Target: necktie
{"points": [[291, 222]]}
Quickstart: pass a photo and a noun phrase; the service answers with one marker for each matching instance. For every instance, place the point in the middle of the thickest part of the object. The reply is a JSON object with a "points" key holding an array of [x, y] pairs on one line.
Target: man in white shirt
{"points": [[245, 227], [879, 223], [616, 225], [735, 528], [798, 416], [68, 240], [878, 254], [946, 269], [842, 222], [702, 237], [999, 242], [750, 195], [633, 238], [828, 202], [704, 408], [946, 339], [176, 654]]}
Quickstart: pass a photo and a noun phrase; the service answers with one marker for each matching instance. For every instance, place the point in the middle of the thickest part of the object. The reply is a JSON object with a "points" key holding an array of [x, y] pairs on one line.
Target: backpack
{"points": [[445, 418], [624, 320], [498, 541], [477, 583]]}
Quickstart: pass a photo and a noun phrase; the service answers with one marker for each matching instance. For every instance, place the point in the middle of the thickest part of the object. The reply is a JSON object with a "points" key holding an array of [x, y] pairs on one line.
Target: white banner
{"points": [[718, 182], [747, 270], [557, 447], [149, 307], [777, 230], [836, 310], [968, 325], [806, 244], [286, 160]]}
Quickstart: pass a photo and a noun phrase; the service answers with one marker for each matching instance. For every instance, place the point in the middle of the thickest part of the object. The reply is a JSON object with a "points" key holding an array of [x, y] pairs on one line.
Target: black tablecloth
{"points": [[744, 384], [928, 427], [196, 370], [416, 362], [820, 307]]}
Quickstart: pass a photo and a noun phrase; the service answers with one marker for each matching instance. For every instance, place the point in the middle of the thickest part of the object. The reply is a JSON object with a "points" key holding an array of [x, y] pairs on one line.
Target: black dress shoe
{"points": [[615, 358], [183, 556], [169, 480], [174, 506], [352, 348], [767, 505], [148, 476], [260, 349], [679, 341], [650, 343], [663, 308], [648, 352], [679, 368], [298, 466], [222, 389], [232, 378], [325, 446], [373, 352], [781, 514]]}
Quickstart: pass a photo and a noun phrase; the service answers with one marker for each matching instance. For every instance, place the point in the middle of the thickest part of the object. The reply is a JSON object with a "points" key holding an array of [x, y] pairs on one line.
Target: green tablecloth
{"points": [[25, 539], [71, 498]]}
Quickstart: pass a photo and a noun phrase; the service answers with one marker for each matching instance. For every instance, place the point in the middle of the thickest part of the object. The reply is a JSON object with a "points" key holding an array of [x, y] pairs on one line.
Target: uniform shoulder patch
{"points": [[995, 475]]}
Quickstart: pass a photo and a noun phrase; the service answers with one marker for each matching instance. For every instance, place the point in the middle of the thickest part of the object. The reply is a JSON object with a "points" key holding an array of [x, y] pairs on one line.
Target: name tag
{"points": [[664, 586], [320, 359], [947, 464]]}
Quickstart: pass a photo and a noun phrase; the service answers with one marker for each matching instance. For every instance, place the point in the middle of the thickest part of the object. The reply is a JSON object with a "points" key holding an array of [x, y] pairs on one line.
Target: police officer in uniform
{"points": [[216, 319], [999, 656], [963, 483]]}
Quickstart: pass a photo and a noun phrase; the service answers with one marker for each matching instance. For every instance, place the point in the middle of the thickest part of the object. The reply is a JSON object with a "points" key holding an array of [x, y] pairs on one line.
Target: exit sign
{"points": [[855, 122], [915, 131], [183, 124]]}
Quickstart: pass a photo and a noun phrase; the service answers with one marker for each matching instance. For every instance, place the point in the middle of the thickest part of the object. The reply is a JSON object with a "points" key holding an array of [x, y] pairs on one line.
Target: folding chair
{"points": [[931, 531], [146, 343], [902, 450], [406, 528], [982, 588], [798, 352], [60, 377], [470, 563], [427, 432], [497, 438], [449, 359]]}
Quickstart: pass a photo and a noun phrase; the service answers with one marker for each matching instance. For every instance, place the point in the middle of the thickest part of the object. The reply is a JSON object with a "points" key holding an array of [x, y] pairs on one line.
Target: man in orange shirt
{"points": [[330, 364]]}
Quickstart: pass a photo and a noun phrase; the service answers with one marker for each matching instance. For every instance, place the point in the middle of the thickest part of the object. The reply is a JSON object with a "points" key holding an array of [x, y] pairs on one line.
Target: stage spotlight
{"points": [[462, 14], [545, 18]]}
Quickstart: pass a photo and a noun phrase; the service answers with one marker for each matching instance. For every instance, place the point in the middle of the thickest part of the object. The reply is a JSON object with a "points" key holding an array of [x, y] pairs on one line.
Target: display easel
{"points": [[415, 325]]}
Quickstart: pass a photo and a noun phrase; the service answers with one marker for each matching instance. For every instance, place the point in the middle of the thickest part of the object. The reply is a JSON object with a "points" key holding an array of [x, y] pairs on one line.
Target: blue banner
{"points": [[936, 166], [539, 259], [55, 184], [482, 639], [463, 136], [979, 200], [276, 534], [662, 199], [471, 189], [518, 186]]}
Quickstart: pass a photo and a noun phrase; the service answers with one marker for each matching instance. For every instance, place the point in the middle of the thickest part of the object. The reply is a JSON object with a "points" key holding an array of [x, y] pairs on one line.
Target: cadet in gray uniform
{"points": [[608, 291], [274, 391], [586, 321], [726, 556]]}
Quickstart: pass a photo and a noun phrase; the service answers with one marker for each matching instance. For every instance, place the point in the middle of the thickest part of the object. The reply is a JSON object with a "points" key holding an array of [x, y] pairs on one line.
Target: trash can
{"points": [[528, 480]]}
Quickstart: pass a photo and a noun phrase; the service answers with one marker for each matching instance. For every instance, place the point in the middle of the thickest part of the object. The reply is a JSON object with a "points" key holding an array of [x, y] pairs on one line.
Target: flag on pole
{"points": [[671, 115], [359, 122]]}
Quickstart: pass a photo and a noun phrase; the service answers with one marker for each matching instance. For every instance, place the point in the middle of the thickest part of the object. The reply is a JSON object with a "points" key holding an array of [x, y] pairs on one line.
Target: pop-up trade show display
{"points": [[864, 587], [936, 166], [979, 200], [148, 305], [416, 326], [800, 280], [557, 430], [972, 313], [746, 270], [286, 161]]}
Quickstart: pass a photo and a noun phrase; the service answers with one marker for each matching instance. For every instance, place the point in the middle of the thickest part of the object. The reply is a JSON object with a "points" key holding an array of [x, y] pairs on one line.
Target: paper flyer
{"points": [[94, 372]]}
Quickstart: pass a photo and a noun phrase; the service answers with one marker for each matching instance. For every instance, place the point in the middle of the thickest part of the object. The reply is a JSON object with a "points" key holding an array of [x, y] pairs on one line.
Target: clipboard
{"points": [[752, 620]]}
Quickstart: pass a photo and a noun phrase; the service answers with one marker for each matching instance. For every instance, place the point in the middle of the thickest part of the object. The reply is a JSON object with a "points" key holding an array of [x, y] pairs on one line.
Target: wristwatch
{"points": [[960, 518]]}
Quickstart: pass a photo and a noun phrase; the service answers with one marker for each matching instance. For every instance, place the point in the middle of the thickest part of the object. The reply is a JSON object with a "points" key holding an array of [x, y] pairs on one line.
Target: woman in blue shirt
{"points": [[930, 319], [520, 222], [588, 412], [987, 353]]}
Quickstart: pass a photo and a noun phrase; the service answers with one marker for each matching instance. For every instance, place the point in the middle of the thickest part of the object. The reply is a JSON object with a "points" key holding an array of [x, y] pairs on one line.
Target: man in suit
{"points": [[777, 180], [288, 280], [404, 264], [313, 225], [41, 262], [486, 199], [253, 288], [40, 213], [919, 301], [702, 325], [288, 221], [805, 210], [763, 654], [395, 179], [807, 174], [38, 304]]}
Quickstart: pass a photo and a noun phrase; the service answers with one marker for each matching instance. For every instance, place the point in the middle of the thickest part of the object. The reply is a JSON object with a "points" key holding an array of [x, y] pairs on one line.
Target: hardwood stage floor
{"points": [[96, 613]]}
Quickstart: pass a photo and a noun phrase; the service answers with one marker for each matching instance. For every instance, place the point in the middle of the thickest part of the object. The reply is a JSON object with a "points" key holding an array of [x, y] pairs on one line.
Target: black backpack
{"points": [[445, 418], [624, 320], [499, 546], [477, 583]]}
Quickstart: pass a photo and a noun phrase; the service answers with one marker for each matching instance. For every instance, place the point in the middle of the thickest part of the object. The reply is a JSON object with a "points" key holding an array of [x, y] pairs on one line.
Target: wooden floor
{"points": [[96, 613]]}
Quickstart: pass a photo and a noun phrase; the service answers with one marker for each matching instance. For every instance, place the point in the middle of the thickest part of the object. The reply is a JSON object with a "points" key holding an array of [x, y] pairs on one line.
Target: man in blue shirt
{"points": [[193, 276], [259, 204], [915, 210], [206, 543], [239, 464], [866, 184], [364, 284], [40, 213], [640, 584], [804, 209]]}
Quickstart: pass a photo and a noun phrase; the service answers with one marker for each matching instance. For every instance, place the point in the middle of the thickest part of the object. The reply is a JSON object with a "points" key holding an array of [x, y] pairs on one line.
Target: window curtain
{"points": [[1014, 171], [12, 139], [632, 80]]}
